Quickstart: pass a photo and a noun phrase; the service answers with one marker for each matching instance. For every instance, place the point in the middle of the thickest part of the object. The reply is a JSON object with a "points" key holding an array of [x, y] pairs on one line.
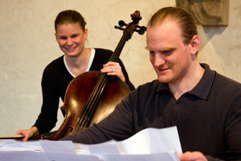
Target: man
{"points": [[204, 105]]}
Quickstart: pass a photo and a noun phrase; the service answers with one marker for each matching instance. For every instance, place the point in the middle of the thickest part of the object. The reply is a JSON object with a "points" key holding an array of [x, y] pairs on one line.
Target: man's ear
{"points": [[195, 44]]}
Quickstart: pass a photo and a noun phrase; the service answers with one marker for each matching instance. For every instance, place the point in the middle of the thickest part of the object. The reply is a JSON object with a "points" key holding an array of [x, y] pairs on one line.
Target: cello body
{"points": [[75, 100]]}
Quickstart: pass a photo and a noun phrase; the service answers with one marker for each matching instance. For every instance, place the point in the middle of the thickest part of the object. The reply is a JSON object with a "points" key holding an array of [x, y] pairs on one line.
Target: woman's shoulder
{"points": [[100, 52], [102, 56], [56, 64]]}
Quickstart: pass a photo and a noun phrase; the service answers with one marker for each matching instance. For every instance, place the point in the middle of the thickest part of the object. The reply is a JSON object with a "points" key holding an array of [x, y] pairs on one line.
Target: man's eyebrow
{"points": [[167, 49], [164, 49]]}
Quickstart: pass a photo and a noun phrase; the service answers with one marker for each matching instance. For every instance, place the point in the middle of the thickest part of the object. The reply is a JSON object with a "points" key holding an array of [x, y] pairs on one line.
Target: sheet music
{"points": [[148, 145]]}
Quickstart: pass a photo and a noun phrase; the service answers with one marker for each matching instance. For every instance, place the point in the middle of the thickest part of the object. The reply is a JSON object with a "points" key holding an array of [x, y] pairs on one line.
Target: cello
{"points": [[92, 96]]}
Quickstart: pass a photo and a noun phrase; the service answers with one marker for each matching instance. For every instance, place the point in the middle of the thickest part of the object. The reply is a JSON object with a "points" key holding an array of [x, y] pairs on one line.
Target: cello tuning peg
{"points": [[141, 32], [140, 29], [118, 27], [122, 23]]}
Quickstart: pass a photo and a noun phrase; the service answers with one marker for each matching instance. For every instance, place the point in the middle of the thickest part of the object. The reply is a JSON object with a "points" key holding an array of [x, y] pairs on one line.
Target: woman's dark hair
{"points": [[69, 16]]}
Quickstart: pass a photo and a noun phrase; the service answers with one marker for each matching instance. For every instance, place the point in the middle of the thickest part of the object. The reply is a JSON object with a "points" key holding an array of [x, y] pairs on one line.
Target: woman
{"points": [[70, 35]]}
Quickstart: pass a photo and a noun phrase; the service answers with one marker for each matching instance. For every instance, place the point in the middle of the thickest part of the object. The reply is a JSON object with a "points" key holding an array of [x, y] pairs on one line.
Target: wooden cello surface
{"points": [[76, 99], [92, 96]]}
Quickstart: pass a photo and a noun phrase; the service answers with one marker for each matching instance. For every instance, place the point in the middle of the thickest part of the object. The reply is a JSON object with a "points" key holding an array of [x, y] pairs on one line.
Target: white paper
{"points": [[57, 146], [151, 141], [11, 145], [140, 157], [148, 145], [59, 150], [164, 142], [22, 156]]}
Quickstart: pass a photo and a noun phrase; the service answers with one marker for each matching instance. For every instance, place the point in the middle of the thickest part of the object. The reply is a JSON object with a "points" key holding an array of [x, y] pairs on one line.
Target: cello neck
{"points": [[115, 56]]}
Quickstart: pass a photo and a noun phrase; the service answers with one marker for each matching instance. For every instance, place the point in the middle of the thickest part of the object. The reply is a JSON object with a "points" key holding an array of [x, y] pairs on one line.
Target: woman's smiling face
{"points": [[71, 38]]}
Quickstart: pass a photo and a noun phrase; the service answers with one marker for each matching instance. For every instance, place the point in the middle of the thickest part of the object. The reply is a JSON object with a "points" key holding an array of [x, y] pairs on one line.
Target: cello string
{"points": [[102, 78], [85, 121], [115, 57], [92, 102], [100, 90], [85, 113]]}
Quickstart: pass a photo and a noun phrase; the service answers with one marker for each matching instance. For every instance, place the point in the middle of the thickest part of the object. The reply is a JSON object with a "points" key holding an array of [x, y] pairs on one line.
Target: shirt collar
{"points": [[203, 88]]}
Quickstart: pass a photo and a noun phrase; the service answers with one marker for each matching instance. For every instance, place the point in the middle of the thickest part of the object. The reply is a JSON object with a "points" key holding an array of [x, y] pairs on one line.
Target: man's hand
{"points": [[192, 156]]}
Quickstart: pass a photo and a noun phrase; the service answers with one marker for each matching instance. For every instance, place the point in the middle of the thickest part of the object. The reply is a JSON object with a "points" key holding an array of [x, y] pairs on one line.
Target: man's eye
{"points": [[167, 52]]}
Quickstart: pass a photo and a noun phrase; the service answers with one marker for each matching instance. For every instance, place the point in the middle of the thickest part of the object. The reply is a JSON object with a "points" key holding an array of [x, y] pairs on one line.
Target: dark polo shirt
{"points": [[208, 117]]}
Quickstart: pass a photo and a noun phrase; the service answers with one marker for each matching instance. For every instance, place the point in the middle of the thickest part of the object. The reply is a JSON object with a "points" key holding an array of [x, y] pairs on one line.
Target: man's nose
{"points": [[158, 60]]}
